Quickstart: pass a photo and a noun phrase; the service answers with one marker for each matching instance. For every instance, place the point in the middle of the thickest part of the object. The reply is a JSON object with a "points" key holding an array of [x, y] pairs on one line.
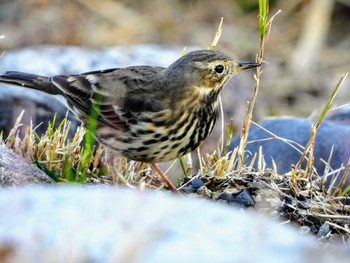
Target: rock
{"points": [[51, 60], [16, 171], [298, 131], [324, 230], [196, 183], [244, 198], [73, 224], [203, 191], [194, 186], [342, 115], [39, 108]]}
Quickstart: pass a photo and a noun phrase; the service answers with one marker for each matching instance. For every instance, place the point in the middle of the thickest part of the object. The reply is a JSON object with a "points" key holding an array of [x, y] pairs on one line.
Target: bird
{"points": [[146, 113]]}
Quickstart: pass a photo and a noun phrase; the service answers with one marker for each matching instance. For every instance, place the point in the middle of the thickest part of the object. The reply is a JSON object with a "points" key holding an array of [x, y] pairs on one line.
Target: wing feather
{"points": [[120, 94]]}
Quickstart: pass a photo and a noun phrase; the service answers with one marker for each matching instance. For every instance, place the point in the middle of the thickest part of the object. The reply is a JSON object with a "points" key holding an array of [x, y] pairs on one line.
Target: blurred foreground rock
{"points": [[72, 224], [16, 171]]}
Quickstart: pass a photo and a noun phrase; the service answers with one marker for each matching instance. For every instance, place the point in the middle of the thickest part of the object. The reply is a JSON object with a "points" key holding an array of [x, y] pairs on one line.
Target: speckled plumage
{"points": [[146, 113]]}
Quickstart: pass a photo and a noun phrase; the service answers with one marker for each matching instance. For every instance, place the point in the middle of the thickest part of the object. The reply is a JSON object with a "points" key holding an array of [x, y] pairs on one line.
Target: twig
{"points": [[311, 143], [217, 35], [265, 28]]}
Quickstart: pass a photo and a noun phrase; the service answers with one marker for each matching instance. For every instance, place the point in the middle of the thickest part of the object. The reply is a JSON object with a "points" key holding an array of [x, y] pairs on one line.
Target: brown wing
{"points": [[119, 94]]}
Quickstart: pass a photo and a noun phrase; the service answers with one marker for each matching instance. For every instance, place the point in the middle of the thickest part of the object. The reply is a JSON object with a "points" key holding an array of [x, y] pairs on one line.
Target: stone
{"points": [[39, 109], [341, 115], [105, 224], [297, 131], [16, 171], [244, 198]]}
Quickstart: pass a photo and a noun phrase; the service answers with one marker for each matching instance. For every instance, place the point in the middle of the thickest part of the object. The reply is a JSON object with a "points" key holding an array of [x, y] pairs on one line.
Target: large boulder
{"points": [[75, 224], [282, 141]]}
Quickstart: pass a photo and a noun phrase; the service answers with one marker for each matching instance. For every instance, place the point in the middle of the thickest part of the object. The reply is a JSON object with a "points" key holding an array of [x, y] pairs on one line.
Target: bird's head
{"points": [[205, 72]]}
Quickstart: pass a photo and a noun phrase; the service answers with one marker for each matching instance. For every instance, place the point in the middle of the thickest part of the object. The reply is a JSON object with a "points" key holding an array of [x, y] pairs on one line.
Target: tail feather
{"points": [[28, 80]]}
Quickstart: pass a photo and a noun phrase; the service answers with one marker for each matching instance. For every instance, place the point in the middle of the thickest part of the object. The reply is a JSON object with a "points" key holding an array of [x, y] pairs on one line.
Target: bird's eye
{"points": [[219, 69]]}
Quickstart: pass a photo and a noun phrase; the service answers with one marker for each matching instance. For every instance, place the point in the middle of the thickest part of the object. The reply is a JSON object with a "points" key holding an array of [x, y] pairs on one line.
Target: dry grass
{"points": [[54, 151], [265, 29], [293, 199]]}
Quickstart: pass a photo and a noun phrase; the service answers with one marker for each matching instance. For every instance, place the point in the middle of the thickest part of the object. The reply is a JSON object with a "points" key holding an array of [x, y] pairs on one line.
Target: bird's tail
{"points": [[32, 81]]}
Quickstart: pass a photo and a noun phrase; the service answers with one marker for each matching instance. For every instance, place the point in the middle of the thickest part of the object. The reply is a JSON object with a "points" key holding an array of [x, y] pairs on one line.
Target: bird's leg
{"points": [[111, 160], [164, 177]]}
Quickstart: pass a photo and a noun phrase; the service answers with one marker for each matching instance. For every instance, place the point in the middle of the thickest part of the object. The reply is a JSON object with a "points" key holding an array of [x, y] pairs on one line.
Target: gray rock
{"points": [[16, 171], [71, 224], [39, 109], [341, 115], [298, 131], [53, 60]]}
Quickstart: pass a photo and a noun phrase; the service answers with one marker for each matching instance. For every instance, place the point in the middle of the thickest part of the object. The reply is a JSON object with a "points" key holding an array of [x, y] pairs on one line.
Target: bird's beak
{"points": [[245, 65]]}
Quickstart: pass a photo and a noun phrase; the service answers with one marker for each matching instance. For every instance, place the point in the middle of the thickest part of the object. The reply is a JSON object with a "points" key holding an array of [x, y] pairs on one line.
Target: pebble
{"points": [[244, 198]]}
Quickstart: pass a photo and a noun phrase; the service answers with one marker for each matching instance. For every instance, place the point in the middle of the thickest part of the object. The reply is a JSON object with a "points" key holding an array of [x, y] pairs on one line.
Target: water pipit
{"points": [[146, 113]]}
